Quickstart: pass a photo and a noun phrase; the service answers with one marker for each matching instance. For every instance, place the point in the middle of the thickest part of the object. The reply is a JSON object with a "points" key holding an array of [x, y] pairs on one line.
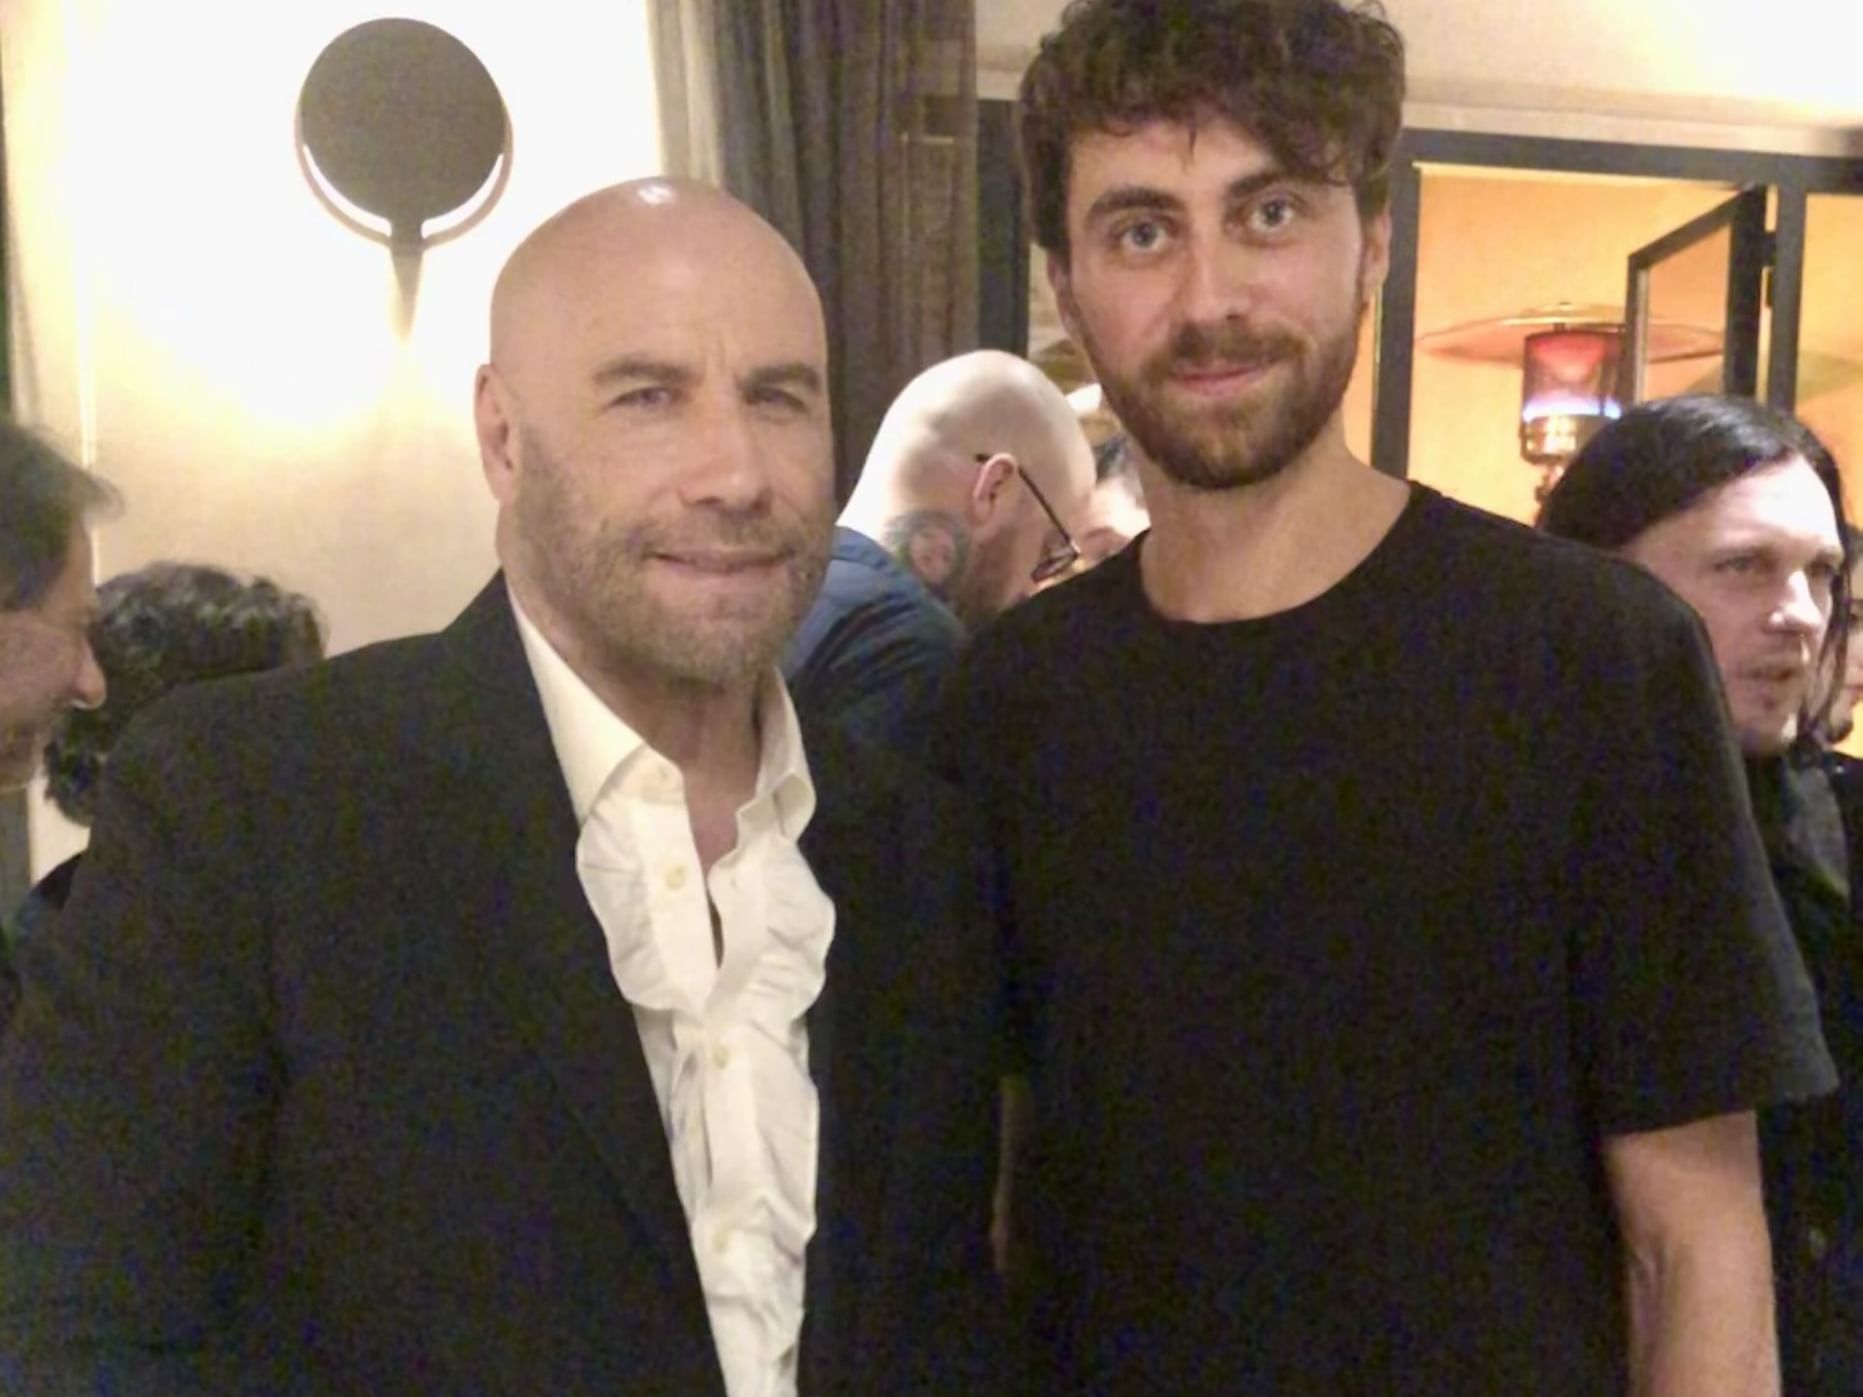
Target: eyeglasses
{"points": [[1064, 555]]}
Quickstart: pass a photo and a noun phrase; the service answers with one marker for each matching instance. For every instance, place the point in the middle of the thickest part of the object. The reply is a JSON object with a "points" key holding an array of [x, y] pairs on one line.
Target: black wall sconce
{"points": [[404, 137]]}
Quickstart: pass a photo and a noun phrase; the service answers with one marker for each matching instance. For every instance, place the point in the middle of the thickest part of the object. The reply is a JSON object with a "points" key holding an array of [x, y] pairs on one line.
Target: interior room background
{"points": [[187, 318]]}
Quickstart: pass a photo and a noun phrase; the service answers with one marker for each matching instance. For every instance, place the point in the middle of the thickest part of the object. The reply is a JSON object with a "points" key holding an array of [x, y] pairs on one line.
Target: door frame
{"points": [[1792, 177], [1748, 258]]}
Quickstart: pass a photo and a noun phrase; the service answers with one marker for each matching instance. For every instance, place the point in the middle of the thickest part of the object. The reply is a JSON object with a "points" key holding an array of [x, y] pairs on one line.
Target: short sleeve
{"points": [[1689, 995]]}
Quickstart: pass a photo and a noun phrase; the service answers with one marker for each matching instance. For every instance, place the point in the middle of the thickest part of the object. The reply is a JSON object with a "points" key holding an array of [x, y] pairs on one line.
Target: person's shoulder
{"points": [[866, 596], [324, 712], [378, 676], [1846, 776], [1533, 572], [1065, 620]]}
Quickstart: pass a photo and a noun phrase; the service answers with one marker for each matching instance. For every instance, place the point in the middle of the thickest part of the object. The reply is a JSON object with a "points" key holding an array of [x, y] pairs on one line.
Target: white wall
{"points": [[189, 318], [1752, 74]]}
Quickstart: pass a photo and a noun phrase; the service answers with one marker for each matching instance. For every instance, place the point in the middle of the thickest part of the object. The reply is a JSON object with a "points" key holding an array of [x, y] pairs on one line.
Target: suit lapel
{"points": [[505, 852]]}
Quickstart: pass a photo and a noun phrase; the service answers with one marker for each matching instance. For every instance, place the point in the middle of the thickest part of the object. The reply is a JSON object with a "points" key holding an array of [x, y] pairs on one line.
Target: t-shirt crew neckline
{"points": [[1372, 575]]}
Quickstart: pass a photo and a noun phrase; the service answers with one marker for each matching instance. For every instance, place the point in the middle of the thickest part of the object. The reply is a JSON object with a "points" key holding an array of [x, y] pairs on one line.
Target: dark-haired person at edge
{"points": [[46, 605], [1394, 959], [1739, 509], [158, 628]]}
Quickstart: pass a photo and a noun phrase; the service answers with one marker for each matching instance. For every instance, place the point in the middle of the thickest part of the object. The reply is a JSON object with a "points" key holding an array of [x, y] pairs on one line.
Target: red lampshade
{"points": [[1568, 390]]}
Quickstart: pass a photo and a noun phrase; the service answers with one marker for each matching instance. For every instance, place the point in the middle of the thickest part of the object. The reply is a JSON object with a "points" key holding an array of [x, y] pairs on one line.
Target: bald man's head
{"points": [[685, 228], [654, 423], [984, 452], [982, 402]]}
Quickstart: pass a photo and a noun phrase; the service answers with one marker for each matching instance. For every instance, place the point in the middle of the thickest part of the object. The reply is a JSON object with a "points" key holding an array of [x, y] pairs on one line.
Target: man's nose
{"points": [[1800, 609], [1213, 283], [728, 467], [87, 685]]}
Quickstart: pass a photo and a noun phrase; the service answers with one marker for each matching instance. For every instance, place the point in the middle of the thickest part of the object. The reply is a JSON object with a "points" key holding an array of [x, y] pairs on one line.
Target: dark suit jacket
{"points": [[324, 1084]]}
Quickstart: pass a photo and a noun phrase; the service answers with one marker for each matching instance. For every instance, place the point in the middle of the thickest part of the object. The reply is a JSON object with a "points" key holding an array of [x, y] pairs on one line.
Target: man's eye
{"points": [[1146, 235], [779, 400], [651, 395], [1272, 215], [1740, 565]]}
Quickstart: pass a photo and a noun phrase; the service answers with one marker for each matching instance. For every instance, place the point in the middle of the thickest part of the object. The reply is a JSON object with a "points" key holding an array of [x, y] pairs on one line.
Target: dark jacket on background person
{"points": [[1810, 813], [324, 1085], [872, 654]]}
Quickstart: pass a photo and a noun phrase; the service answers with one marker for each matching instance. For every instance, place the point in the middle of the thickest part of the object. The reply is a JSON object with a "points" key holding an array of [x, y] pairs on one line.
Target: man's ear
{"points": [[1375, 260], [988, 488], [1061, 282], [496, 427]]}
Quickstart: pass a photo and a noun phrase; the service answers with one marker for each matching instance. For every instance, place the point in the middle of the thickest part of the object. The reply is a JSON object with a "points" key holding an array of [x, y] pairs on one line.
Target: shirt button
{"points": [[721, 1240], [676, 877], [721, 1055]]}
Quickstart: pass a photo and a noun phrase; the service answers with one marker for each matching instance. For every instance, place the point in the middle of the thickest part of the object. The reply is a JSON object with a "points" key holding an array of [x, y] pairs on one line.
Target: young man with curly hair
{"points": [[1395, 964]]}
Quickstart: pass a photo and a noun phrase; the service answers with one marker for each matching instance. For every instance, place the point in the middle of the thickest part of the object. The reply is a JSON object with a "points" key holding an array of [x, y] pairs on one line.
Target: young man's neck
{"points": [[1238, 555]]}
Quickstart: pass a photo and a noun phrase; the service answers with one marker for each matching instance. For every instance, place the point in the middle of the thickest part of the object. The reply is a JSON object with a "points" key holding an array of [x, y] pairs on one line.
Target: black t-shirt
{"points": [[1341, 937], [872, 653]]}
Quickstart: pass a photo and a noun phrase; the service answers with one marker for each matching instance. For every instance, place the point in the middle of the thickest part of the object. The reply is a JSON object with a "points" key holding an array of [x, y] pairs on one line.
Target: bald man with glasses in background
{"points": [[968, 501]]}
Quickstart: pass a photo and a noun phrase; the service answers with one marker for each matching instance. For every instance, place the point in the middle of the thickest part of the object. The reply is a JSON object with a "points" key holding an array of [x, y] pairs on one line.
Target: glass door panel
{"points": [[1692, 299]]}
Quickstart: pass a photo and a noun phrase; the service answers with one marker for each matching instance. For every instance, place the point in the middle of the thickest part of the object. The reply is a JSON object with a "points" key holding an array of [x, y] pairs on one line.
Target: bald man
{"points": [[975, 479], [528, 1008]]}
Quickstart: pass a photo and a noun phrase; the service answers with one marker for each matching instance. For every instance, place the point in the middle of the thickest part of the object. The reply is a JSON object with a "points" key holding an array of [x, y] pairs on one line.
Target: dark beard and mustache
{"points": [[1228, 448]]}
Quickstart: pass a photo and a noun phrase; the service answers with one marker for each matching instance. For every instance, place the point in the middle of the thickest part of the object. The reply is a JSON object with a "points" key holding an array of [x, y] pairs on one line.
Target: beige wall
{"points": [[1751, 75], [1488, 247], [188, 317], [1830, 361]]}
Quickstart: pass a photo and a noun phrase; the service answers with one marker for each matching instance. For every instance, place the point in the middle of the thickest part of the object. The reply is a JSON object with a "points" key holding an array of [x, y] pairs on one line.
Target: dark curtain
{"points": [[1002, 241], [852, 126]]}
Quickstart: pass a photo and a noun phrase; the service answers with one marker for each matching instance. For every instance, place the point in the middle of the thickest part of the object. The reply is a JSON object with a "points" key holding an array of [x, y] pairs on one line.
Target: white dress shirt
{"points": [[725, 1042]]}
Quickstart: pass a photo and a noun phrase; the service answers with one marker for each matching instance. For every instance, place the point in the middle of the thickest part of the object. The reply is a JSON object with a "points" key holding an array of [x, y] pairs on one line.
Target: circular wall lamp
{"points": [[403, 136]]}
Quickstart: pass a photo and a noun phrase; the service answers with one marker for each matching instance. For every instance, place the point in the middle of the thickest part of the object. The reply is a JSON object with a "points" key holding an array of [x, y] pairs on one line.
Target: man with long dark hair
{"points": [[1739, 509], [1395, 1007]]}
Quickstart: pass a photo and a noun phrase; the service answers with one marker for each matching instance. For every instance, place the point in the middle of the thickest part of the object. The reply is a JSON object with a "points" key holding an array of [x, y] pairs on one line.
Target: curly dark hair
{"points": [[162, 627], [44, 498], [1321, 84], [1662, 457]]}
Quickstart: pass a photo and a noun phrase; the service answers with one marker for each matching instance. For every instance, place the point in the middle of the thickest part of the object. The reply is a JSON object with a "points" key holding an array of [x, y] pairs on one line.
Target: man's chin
{"points": [[1762, 740], [19, 761]]}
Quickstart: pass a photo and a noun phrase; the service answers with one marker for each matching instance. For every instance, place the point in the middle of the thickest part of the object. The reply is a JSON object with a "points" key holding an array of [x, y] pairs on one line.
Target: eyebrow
{"points": [[642, 366], [1125, 198], [790, 375], [795, 374]]}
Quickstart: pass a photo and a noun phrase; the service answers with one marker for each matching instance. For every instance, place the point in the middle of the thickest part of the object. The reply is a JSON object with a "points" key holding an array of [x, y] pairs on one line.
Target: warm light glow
{"points": [[1567, 374], [1571, 405], [189, 306]]}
